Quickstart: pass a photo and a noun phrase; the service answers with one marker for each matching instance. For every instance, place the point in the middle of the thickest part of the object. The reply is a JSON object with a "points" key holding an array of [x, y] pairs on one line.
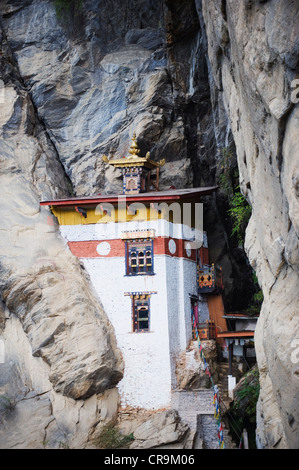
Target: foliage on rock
{"points": [[242, 412], [112, 438], [6, 403], [240, 212], [246, 395], [65, 6], [70, 14], [239, 209]]}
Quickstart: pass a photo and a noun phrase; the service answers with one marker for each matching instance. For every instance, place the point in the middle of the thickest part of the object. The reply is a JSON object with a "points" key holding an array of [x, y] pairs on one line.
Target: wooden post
{"points": [[157, 179], [230, 358], [148, 183]]}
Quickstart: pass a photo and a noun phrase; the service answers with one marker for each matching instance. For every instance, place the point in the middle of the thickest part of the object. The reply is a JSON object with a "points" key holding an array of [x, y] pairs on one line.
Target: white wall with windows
{"points": [[149, 356], [149, 374]]}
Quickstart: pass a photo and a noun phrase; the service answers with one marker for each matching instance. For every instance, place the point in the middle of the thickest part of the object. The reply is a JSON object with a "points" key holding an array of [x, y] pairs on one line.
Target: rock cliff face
{"points": [[253, 56], [47, 300], [190, 78]]}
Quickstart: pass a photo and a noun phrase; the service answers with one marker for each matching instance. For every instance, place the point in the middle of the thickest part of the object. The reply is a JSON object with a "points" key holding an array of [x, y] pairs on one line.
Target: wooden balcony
{"points": [[209, 279]]}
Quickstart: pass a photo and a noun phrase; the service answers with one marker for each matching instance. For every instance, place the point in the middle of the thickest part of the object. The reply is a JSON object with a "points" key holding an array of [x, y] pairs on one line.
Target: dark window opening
{"points": [[140, 313]]}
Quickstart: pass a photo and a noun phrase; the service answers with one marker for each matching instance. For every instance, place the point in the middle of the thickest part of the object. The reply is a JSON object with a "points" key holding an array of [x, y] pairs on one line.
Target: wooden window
{"points": [[139, 257], [141, 313]]}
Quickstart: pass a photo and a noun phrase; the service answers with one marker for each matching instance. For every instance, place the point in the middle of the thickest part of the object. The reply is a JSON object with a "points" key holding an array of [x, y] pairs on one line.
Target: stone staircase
{"points": [[196, 409]]}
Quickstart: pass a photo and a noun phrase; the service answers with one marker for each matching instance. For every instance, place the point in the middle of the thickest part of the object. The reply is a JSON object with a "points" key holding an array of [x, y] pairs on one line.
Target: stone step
{"points": [[197, 410]]}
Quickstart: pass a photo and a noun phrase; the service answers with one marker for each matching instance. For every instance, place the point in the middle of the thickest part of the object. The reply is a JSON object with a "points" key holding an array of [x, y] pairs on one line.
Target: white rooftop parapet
{"points": [[112, 231]]}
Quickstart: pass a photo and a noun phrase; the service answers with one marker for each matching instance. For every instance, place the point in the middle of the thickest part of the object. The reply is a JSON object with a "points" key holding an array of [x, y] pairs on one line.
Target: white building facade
{"points": [[149, 353], [141, 250]]}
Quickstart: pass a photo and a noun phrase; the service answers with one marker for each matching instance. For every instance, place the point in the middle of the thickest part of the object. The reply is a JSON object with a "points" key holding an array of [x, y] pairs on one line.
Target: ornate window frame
{"points": [[141, 313], [139, 260]]}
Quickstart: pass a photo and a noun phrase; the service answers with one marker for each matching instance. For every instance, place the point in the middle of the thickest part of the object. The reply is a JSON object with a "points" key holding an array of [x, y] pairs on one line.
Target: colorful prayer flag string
{"points": [[216, 400]]}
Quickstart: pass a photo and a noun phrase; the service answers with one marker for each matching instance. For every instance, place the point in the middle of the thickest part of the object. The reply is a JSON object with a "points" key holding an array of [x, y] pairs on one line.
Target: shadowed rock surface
{"points": [[190, 78]]}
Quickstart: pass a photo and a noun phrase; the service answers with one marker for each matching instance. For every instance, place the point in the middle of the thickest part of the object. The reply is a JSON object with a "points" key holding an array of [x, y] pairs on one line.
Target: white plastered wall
{"points": [[147, 376], [112, 231], [149, 357], [181, 284]]}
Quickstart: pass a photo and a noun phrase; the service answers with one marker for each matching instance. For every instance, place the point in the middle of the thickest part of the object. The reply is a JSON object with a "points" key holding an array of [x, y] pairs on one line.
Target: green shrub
{"points": [[64, 7], [227, 174], [246, 397], [240, 212], [242, 411], [112, 438], [258, 296], [239, 209], [6, 403]]}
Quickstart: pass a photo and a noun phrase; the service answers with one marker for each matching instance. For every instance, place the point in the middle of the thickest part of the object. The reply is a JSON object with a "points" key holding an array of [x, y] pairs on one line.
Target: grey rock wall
{"points": [[94, 89], [74, 88], [116, 68], [253, 56], [190, 78], [57, 338]]}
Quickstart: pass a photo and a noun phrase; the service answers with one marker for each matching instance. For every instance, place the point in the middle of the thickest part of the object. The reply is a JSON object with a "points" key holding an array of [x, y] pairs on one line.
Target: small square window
{"points": [[139, 257]]}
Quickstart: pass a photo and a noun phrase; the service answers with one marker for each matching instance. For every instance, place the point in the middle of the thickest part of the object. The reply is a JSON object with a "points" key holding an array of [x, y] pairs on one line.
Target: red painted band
{"points": [[115, 248]]}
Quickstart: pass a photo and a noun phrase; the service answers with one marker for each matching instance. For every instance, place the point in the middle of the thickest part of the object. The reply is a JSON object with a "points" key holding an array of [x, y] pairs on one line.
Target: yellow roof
{"points": [[133, 159]]}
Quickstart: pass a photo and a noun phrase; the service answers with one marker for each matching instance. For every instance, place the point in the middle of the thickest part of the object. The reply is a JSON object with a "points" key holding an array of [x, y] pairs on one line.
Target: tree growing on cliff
{"points": [[70, 14], [64, 7], [239, 210]]}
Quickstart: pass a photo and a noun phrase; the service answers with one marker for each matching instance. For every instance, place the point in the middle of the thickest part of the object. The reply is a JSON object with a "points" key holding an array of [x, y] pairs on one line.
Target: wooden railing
{"points": [[205, 330]]}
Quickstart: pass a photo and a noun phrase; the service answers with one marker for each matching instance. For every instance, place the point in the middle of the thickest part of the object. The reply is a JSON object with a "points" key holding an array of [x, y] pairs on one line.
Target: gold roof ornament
{"points": [[134, 159], [134, 150]]}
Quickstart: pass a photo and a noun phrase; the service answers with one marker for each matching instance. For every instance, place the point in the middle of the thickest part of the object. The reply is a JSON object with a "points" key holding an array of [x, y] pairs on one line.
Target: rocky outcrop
{"points": [[107, 81], [65, 346], [190, 370], [190, 78], [208, 134], [41, 282], [138, 68], [165, 430], [253, 56], [33, 415]]}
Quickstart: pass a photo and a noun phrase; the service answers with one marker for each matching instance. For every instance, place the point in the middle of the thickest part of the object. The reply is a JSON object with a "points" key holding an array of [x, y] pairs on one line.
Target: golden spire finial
{"points": [[134, 150], [133, 159]]}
